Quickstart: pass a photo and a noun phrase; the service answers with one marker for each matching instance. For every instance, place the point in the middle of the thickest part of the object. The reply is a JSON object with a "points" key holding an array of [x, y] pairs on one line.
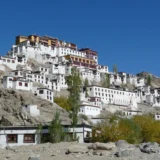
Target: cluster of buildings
{"points": [[54, 60]]}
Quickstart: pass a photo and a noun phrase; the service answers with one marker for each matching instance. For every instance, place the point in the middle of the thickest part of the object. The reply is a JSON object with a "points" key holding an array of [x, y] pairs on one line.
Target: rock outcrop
{"points": [[11, 103]]}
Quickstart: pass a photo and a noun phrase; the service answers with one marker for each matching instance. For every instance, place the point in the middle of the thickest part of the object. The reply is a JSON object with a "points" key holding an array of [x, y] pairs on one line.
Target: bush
{"points": [[129, 131], [62, 102], [135, 130]]}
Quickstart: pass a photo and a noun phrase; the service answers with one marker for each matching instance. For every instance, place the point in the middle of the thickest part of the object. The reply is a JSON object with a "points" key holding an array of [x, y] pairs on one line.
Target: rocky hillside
{"points": [[155, 79], [11, 113]]}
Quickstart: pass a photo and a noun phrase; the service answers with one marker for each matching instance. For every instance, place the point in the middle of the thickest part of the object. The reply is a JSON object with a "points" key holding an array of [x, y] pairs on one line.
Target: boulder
{"points": [[150, 147], [77, 149], [129, 153], [124, 145], [102, 146]]}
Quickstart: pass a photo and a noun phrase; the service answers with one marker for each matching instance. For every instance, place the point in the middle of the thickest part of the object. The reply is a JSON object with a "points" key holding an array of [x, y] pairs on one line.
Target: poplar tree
{"points": [[86, 84], [115, 70], [107, 80], [149, 79], [56, 131], [74, 85]]}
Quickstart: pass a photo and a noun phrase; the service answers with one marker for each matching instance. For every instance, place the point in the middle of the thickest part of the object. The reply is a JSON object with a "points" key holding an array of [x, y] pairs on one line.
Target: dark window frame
{"points": [[12, 138], [29, 138]]}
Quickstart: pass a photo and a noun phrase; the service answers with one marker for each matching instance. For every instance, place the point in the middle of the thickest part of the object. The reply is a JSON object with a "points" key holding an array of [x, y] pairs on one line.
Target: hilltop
{"points": [[155, 80]]}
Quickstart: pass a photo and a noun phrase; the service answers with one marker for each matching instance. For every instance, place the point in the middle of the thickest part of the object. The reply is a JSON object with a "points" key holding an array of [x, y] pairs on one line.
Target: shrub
{"points": [[135, 130], [62, 102]]}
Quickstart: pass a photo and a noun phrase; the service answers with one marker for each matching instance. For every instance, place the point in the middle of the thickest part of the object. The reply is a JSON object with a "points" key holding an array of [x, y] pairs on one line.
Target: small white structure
{"points": [[44, 93], [17, 135], [32, 110], [130, 113], [82, 131], [140, 82], [17, 83], [102, 69], [131, 79], [9, 62], [63, 51], [33, 50], [89, 74], [89, 110]]}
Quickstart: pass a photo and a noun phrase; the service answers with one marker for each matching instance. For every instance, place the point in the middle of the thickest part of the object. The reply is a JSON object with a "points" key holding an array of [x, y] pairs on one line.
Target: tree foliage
{"points": [[74, 84], [149, 80], [86, 84], [135, 130], [56, 131], [106, 81], [62, 102], [115, 70]]}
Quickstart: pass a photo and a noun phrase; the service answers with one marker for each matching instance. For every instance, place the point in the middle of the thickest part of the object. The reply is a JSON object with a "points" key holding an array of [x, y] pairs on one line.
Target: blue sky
{"points": [[124, 32]]}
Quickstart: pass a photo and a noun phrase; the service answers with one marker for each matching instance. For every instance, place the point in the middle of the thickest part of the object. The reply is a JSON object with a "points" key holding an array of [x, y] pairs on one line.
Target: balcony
{"points": [[84, 64]]}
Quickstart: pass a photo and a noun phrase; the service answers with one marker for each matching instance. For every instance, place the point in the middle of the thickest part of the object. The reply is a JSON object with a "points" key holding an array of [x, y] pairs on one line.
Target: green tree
{"points": [[74, 84], [105, 80], [62, 102], [115, 70], [149, 80], [86, 84], [56, 130]]}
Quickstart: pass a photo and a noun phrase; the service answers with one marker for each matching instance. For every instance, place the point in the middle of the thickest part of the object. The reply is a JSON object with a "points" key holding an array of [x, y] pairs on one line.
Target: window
{"points": [[26, 84], [10, 79], [29, 138], [4, 60], [13, 61], [8, 60], [12, 138], [20, 83], [40, 91], [16, 73]]}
